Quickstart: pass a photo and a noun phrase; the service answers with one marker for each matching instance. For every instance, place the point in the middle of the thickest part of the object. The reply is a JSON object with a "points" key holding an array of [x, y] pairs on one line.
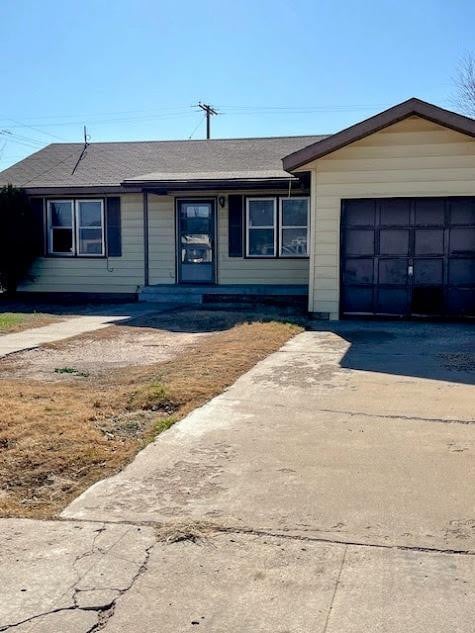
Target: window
{"points": [[89, 216], [76, 227], [60, 222], [267, 237], [261, 218], [293, 227]]}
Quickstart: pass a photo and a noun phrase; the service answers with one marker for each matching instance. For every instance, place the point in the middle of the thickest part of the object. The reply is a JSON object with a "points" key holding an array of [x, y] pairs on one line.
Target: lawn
{"points": [[61, 434], [17, 321]]}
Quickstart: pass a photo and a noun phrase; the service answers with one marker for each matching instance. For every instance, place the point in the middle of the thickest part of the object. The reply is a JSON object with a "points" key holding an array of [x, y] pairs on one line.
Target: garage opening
{"points": [[408, 257]]}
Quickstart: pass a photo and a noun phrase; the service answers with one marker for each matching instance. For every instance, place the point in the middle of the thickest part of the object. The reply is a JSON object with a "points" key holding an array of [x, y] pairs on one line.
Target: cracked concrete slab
{"points": [[65, 567], [315, 441], [60, 622], [400, 591], [231, 583], [236, 583]]}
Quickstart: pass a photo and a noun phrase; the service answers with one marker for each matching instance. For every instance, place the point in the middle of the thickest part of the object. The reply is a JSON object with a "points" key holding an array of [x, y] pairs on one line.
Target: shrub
{"points": [[17, 239]]}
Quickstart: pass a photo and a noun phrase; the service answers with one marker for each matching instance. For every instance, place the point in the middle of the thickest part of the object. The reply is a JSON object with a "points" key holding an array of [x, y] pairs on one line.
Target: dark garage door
{"points": [[408, 257]]}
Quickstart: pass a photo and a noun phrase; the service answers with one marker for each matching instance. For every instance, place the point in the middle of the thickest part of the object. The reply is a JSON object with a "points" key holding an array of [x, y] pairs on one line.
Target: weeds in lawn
{"points": [[9, 321], [57, 438], [71, 370], [17, 321]]}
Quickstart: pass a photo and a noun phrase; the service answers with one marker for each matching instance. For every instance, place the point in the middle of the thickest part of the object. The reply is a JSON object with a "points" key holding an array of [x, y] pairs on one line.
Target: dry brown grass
{"points": [[57, 438]]}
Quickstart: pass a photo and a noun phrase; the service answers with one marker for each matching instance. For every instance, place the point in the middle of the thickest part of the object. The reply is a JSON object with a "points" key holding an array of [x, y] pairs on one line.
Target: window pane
{"points": [[294, 242], [294, 212], [261, 212], [261, 242], [61, 213], [90, 241], [196, 249], [62, 241], [196, 219], [90, 213]]}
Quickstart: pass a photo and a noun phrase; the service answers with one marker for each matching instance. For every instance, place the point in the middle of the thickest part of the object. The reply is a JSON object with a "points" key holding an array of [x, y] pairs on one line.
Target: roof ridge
{"points": [[198, 140]]}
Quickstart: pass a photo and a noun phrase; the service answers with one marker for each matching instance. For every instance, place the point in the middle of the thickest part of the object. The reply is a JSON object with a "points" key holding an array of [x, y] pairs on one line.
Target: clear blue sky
{"points": [[131, 69]]}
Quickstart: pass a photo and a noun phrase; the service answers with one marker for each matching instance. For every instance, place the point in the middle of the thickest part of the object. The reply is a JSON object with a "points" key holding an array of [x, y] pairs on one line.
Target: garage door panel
{"points": [[429, 271], [393, 301], [461, 301], [429, 211], [403, 256], [394, 242], [360, 213], [393, 271], [462, 272], [462, 241], [462, 211], [358, 271], [428, 300], [395, 212], [358, 299], [429, 242], [359, 242]]}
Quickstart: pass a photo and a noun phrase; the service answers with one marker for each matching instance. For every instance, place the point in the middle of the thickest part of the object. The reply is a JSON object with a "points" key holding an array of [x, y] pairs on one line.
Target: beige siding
{"points": [[241, 270], [116, 274], [230, 270], [411, 158], [161, 222]]}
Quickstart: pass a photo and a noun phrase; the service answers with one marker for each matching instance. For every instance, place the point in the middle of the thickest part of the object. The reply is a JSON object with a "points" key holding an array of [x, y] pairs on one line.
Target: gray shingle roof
{"points": [[109, 164]]}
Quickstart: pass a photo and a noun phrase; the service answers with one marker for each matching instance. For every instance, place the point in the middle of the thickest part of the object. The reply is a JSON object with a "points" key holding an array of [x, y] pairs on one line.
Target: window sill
{"points": [[64, 256], [277, 257]]}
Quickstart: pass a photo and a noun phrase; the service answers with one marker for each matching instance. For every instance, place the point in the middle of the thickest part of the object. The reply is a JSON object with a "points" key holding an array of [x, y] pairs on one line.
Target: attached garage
{"points": [[393, 215], [408, 257]]}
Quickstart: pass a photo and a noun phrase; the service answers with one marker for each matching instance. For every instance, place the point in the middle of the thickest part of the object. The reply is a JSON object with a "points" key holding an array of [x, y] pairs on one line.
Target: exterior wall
{"points": [[102, 275], [230, 270], [408, 159], [126, 274], [161, 239], [242, 270]]}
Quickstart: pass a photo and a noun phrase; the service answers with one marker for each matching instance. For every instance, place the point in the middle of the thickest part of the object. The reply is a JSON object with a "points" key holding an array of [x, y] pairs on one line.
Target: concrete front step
{"points": [[225, 294]]}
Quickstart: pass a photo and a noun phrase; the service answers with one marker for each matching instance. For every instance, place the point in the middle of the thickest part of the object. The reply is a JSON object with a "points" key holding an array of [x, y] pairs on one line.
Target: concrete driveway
{"points": [[329, 489]]}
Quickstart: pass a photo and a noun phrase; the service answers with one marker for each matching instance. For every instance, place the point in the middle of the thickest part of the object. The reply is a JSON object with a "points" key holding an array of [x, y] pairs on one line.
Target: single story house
{"points": [[378, 219]]}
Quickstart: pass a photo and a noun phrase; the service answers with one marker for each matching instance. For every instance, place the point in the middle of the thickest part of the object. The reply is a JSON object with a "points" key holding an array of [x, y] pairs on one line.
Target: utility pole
{"points": [[209, 111]]}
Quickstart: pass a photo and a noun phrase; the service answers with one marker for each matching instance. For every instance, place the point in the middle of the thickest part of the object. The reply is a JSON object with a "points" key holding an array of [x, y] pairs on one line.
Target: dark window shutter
{"points": [[235, 208], [38, 226], [114, 229]]}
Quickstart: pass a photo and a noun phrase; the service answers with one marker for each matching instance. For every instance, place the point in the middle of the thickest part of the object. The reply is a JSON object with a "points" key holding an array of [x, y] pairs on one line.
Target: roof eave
{"points": [[217, 184], [50, 190], [376, 123]]}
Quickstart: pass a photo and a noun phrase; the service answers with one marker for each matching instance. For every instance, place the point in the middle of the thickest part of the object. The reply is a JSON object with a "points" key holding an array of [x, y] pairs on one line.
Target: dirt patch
{"points": [[59, 436], [93, 354]]}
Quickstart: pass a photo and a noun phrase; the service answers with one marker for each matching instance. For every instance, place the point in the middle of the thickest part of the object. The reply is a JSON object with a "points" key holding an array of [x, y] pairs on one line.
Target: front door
{"points": [[195, 241]]}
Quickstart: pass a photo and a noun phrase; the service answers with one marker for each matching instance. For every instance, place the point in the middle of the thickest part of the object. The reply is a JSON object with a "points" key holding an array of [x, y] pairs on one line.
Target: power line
{"points": [[199, 123], [43, 173], [35, 129]]}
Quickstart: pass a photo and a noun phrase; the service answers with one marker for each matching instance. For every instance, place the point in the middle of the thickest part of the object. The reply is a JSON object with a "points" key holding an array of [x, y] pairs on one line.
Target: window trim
{"points": [[51, 228], [78, 227], [249, 228], [74, 202], [282, 227], [277, 198]]}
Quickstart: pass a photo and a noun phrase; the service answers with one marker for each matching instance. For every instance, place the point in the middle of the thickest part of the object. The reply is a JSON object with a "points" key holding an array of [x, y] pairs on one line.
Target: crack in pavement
{"points": [[337, 584], [104, 611], [397, 417], [223, 529]]}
